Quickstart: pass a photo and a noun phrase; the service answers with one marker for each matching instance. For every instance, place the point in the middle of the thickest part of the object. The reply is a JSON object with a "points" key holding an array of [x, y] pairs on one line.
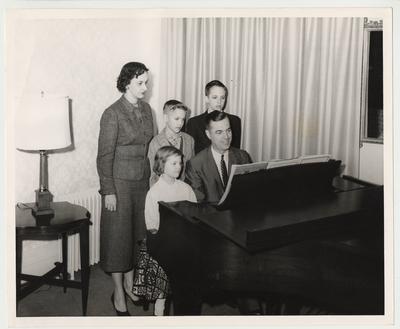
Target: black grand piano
{"points": [[298, 233]]}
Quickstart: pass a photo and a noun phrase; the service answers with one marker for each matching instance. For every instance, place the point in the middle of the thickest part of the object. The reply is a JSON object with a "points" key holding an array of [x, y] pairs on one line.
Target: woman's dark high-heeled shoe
{"points": [[139, 302], [119, 313]]}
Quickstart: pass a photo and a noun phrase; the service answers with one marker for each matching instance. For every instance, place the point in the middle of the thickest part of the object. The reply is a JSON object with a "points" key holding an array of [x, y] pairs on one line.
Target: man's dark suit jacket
{"points": [[203, 176], [196, 127]]}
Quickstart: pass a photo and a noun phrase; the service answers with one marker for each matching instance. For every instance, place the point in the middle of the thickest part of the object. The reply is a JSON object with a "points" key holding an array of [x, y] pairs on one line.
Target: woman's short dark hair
{"points": [[128, 72], [162, 156], [215, 83], [172, 105]]}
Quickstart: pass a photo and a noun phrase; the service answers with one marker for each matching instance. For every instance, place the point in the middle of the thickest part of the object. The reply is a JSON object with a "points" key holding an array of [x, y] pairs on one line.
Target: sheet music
{"points": [[299, 160], [240, 170], [283, 163], [315, 158], [262, 165]]}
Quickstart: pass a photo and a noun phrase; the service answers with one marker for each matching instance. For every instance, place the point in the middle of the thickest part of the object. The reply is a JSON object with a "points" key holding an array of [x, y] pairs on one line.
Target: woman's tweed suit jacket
{"points": [[123, 144]]}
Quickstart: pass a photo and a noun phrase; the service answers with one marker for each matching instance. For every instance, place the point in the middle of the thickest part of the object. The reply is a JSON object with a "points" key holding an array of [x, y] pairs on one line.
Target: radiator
{"points": [[91, 200]]}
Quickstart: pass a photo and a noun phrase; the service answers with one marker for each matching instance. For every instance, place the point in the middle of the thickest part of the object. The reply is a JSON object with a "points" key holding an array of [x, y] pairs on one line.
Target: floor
{"points": [[52, 301]]}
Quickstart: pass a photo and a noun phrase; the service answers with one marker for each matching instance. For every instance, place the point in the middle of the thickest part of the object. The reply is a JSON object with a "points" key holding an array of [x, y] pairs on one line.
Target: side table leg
{"points": [[65, 260], [85, 270], [18, 254]]}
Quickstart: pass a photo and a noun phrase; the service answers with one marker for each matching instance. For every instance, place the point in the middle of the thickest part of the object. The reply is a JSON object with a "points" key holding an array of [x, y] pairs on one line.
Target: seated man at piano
{"points": [[208, 172]]}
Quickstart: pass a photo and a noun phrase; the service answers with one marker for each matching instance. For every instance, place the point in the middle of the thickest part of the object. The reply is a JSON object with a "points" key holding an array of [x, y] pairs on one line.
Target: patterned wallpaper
{"points": [[79, 58]]}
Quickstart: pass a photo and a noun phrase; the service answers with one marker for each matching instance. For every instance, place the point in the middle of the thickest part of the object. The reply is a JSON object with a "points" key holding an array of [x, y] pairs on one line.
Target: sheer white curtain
{"points": [[295, 82]]}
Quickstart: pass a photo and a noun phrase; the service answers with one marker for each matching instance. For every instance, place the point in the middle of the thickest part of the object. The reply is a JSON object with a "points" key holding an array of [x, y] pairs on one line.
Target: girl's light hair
{"points": [[161, 157]]}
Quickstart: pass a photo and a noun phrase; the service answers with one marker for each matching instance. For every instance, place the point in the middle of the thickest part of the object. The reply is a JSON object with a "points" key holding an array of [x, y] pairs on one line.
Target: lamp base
{"points": [[43, 201], [42, 212]]}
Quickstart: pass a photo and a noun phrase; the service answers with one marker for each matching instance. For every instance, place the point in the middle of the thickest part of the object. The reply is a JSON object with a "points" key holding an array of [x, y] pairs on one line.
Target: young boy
{"points": [[171, 135], [216, 96]]}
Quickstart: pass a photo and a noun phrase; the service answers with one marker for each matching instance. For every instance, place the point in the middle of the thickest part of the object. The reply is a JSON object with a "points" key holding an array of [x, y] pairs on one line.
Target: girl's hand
{"points": [[110, 202], [153, 231]]}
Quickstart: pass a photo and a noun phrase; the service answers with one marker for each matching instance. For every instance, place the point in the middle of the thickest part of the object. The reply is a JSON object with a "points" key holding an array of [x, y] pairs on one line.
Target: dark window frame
{"points": [[371, 113]]}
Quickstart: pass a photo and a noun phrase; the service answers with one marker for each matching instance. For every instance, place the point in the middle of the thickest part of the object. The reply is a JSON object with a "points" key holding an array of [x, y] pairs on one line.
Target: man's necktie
{"points": [[224, 171]]}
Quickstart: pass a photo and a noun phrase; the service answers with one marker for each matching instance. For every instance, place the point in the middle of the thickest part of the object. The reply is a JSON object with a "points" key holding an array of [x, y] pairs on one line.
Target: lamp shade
{"points": [[42, 122]]}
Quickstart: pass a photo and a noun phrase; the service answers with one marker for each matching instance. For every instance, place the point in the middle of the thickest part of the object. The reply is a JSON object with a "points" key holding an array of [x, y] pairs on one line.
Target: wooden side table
{"points": [[67, 219]]}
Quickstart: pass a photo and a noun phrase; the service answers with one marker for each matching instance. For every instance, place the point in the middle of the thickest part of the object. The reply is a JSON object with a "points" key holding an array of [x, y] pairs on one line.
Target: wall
{"points": [[371, 163], [80, 58]]}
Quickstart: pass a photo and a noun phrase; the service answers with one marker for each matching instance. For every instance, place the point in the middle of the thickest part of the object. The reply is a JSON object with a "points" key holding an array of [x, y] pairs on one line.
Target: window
{"points": [[372, 83]]}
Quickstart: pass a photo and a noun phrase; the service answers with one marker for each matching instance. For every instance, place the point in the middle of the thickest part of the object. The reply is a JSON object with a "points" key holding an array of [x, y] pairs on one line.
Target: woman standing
{"points": [[126, 128]]}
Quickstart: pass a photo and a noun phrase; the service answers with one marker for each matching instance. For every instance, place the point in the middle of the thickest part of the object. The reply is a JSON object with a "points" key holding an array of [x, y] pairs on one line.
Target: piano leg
{"points": [[186, 300], [249, 306]]}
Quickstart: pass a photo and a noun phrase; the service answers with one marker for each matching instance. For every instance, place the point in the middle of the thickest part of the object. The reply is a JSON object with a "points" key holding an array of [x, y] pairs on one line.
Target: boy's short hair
{"points": [[215, 83], [172, 105], [161, 157], [215, 116]]}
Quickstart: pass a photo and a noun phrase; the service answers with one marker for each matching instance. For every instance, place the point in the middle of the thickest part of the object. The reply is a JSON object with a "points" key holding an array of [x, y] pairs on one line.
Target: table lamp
{"points": [[42, 125]]}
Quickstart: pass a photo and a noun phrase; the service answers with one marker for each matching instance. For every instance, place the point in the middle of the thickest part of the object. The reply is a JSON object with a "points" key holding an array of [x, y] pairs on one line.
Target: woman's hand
{"points": [[110, 202]]}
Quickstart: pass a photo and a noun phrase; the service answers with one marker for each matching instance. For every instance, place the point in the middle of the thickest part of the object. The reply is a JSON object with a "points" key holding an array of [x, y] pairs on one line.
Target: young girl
{"points": [[174, 116], [168, 188]]}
